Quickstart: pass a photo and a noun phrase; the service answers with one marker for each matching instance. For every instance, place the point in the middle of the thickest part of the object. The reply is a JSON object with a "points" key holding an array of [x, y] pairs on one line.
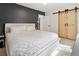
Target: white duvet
{"points": [[31, 43]]}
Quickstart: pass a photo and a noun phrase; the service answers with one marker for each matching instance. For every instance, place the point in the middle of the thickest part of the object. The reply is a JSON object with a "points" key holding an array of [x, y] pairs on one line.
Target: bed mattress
{"points": [[31, 43]]}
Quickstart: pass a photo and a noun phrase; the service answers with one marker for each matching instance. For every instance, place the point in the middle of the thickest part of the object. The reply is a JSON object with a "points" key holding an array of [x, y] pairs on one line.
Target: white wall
{"points": [[47, 23], [41, 21], [51, 23], [54, 23]]}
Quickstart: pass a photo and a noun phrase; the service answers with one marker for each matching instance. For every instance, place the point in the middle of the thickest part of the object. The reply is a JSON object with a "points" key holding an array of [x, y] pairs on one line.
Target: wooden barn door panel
{"points": [[72, 25], [62, 25]]}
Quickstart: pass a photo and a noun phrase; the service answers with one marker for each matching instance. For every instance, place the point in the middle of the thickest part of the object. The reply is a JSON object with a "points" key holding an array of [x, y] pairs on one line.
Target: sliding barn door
{"points": [[68, 24], [62, 21], [72, 24]]}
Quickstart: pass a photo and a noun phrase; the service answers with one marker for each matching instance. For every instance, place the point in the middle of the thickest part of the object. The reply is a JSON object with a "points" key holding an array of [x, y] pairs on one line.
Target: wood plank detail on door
{"points": [[67, 25]]}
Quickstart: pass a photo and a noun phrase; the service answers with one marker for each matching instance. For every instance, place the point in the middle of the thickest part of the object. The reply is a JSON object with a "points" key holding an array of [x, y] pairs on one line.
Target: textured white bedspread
{"points": [[30, 43]]}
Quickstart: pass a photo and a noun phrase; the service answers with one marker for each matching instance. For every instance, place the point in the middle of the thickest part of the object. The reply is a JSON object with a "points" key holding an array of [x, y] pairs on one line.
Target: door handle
{"points": [[66, 24]]}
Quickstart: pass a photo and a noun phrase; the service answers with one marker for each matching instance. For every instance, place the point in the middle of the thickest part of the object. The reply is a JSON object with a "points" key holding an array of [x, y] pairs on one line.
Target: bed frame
{"points": [[9, 25], [7, 28]]}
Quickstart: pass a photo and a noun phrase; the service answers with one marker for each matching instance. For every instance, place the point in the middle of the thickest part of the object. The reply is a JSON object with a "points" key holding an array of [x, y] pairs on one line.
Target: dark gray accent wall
{"points": [[13, 13]]}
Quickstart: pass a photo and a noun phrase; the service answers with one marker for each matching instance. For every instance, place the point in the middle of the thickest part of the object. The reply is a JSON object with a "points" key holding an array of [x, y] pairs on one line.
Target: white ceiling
{"points": [[50, 7]]}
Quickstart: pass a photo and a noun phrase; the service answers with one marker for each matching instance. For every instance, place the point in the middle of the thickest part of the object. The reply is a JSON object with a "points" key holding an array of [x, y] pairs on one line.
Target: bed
{"points": [[31, 42]]}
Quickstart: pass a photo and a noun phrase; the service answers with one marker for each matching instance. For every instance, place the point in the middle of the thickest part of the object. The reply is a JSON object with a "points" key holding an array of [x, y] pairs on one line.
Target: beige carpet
{"points": [[2, 52]]}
